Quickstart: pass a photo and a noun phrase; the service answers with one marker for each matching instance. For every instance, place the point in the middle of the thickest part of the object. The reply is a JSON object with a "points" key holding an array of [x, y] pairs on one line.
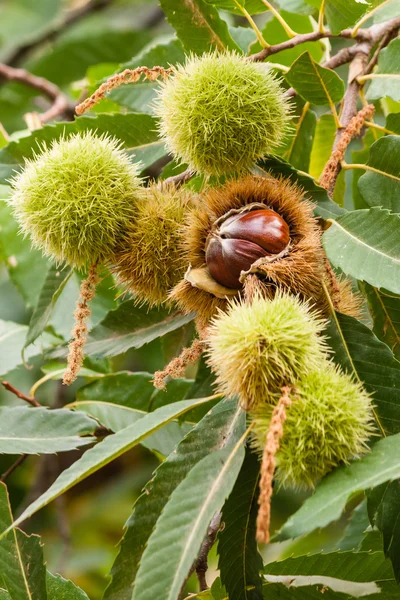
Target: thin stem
{"points": [[380, 128], [42, 380], [281, 20], [366, 18], [258, 33], [14, 466], [321, 27], [364, 78], [346, 167]]}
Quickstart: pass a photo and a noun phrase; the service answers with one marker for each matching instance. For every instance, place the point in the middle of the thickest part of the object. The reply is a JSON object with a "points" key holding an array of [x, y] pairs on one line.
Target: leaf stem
{"points": [[321, 27], [258, 33], [281, 20], [380, 128], [346, 167], [364, 78]]}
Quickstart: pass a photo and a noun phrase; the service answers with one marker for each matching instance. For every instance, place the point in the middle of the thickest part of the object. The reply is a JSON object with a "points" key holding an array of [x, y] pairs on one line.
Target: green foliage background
{"points": [[80, 530]]}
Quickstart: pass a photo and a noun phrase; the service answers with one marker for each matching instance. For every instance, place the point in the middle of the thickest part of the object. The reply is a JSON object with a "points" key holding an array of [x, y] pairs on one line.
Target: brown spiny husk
{"points": [[150, 260], [300, 271]]}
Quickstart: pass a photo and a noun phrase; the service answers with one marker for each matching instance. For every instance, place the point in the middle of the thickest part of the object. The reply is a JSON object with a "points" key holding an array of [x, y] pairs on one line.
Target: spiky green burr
{"points": [[256, 348], [77, 197], [220, 113]]}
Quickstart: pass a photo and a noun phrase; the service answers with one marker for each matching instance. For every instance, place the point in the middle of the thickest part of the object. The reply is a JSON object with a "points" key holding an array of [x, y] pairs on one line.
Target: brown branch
{"points": [[180, 178], [60, 102], [274, 435], [14, 466], [72, 17], [19, 394]]}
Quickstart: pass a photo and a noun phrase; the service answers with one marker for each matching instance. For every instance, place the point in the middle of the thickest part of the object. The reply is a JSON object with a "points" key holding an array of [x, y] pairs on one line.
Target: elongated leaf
{"points": [[385, 310], [384, 509], [223, 425], [331, 495], [180, 530], [388, 81], [314, 83], [26, 430], [129, 326], [12, 340], [366, 245], [26, 267], [322, 145], [360, 353], [59, 588], [115, 418], [137, 132], [54, 284], [106, 451], [333, 589], [21, 558], [382, 188], [344, 13], [198, 26], [325, 207], [356, 528], [347, 566], [300, 148], [239, 561], [252, 6]]}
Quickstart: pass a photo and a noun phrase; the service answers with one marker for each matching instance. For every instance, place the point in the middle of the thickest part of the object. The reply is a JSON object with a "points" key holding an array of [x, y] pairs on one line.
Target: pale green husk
{"points": [[220, 113], [77, 197], [256, 348], [329, 423]]}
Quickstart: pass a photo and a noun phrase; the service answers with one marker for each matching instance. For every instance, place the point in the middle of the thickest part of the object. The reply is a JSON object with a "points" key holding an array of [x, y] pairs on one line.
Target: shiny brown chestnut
{"points": [[240, 240]]}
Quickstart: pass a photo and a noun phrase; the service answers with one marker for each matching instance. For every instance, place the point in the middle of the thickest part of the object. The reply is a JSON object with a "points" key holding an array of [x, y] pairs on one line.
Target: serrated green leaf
{"points": [[12, 340], [59, 588], [356, 528], [300, 148], [137, 132], [222, 425], [384, 510], [239, 562], [382, 187], [26, 430], [326, 208], [253, 7], [358, 351], [21, 558], [327, 503], [322, 145], [365, 244], [128, 326], [384, 308], [393, 123], [54, 284], [344, 13], [108, 450], [26, 267], [347, 567], [176, 540], [387, 82], [198, 26], [314, 83]]}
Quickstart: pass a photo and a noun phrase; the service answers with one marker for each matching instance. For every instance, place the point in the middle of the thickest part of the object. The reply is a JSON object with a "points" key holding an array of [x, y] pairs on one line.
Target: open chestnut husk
{"points": [[240, 239]]}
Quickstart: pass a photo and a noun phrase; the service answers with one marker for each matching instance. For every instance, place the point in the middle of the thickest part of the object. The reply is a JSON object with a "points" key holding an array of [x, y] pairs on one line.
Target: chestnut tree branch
{"points": [[60, 103], [19, 394]]}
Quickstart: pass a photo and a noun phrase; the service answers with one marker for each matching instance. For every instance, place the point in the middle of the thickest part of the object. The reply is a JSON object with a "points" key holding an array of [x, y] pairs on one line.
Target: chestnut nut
{"points": [[240, 240]]}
